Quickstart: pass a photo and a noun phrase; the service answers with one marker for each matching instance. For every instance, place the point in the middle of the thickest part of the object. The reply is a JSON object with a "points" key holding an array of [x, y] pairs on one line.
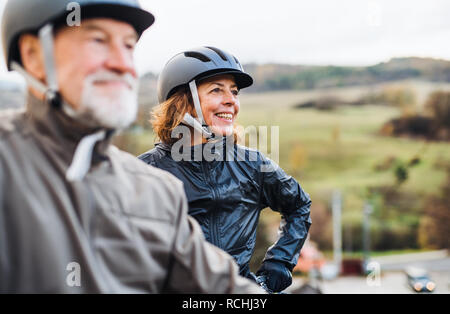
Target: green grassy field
{"points": [[339, 149]]}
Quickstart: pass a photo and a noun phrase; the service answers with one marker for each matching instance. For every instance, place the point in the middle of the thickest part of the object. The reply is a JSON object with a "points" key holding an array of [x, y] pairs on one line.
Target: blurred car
{"points": [[419, 280]]}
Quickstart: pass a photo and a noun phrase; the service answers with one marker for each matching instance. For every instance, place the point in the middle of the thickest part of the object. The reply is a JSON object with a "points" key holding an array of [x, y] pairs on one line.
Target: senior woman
{"points": [[198, 91]]}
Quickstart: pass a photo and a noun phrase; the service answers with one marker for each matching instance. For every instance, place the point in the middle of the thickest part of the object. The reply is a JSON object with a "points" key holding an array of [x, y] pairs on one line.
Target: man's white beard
{"points": [[112, 109]]}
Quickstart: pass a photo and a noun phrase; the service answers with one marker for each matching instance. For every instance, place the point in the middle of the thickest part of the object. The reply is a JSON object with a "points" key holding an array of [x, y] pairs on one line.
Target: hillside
{"points": [[278, 77], [271, 77]]}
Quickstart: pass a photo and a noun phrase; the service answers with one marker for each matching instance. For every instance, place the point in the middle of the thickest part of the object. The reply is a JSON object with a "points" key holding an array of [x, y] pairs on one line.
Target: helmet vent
{"points": [[237, 62], [219, 52], [197, 55]]}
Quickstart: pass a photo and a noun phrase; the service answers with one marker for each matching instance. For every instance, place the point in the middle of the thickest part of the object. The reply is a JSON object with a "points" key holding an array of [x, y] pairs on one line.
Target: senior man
{"points": [[77, 215]]}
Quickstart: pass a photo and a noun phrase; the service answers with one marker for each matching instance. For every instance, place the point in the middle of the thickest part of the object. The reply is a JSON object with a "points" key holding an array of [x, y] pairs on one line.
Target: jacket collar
{"points": [[222, 147], [163, 146], [60, 131]]}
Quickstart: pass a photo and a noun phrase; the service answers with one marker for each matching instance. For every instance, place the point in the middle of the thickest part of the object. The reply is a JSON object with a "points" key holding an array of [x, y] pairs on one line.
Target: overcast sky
{"points": [[345, 32]]}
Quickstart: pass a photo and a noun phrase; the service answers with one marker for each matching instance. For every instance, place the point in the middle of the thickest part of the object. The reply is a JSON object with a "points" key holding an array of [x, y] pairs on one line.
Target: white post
{"points": [[337, 229], [368, 209]]}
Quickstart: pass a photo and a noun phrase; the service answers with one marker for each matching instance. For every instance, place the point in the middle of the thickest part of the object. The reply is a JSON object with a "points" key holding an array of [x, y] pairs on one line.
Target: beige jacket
{"points": [[123, 229]]}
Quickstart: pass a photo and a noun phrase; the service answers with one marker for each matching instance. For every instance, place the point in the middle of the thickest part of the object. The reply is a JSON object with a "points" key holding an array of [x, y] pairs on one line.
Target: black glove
{"points": [[277, 276]]}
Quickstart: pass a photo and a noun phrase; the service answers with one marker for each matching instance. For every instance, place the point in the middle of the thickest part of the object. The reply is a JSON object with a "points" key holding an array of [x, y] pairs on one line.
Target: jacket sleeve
{"points": [[199, 267], [283, 194]]}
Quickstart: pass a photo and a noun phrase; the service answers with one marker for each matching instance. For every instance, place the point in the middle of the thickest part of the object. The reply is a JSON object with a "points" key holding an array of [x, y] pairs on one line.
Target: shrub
{"points": [[438, 106], [434, 231]]}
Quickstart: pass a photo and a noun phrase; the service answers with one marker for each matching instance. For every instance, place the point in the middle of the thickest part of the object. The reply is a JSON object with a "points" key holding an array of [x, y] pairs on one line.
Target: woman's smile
{"points": [[227, 117]]}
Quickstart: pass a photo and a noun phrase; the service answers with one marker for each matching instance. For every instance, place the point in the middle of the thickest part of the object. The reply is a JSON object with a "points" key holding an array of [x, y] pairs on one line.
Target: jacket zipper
{"points": [[214, 226]]}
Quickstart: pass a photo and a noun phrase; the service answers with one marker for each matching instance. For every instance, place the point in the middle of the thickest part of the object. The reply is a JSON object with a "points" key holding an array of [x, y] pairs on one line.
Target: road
{"points": [[390, 283], [392, 279]]}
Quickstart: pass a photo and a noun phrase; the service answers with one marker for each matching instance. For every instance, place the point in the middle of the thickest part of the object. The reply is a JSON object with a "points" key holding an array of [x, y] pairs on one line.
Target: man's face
{"points": [[95, 69]]}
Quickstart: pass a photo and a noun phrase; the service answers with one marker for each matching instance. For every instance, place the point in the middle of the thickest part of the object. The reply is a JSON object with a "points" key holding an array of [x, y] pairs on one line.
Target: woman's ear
{"points": [[32, 56]]}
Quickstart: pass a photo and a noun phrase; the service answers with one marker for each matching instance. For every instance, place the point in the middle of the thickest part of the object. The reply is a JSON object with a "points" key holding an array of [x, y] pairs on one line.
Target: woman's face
{"points": [[220, 104]]}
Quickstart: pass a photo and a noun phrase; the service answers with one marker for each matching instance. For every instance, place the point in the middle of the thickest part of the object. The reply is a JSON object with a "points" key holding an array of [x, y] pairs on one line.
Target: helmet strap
{"points": [[46, 38], [198, 124], [51, 96], [191, 121], [31, 80], [196, 100], [51, 89]]}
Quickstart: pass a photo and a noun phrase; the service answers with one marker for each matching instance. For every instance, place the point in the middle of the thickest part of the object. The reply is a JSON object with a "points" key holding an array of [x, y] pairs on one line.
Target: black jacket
{"points": [[226, 198]]}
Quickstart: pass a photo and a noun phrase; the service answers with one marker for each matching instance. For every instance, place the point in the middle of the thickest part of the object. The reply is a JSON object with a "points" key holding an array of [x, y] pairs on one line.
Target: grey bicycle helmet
{"points": [[197, 64], [22, 16]]}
